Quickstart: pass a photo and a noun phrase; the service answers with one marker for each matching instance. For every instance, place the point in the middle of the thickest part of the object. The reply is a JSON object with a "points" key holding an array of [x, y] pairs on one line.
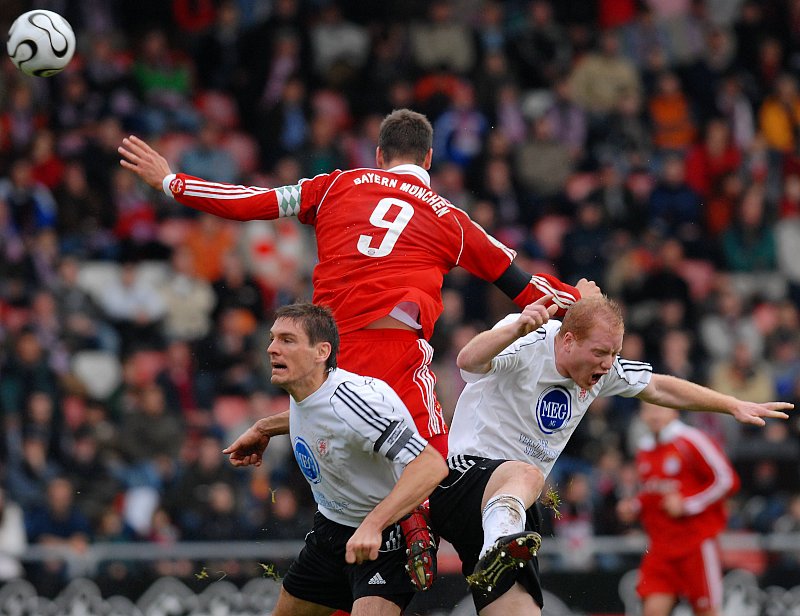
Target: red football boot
{"points": [[420, 547]]}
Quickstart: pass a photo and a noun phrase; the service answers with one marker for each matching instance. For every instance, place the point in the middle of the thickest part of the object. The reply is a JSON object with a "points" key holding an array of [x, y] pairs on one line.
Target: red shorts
{"points": [[402, 359], [695, 576]]}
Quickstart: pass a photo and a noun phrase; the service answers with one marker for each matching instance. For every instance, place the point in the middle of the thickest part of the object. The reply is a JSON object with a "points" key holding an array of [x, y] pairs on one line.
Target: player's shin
{"points": [[503, 515]]}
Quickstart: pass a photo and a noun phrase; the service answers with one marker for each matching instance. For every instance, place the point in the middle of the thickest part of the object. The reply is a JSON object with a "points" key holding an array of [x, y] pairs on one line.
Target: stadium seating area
{"points": [[651, 145]]}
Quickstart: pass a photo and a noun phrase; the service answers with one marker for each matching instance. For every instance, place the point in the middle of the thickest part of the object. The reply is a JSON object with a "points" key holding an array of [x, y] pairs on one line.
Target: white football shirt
{"points": [[352, 438], [523, 409]]}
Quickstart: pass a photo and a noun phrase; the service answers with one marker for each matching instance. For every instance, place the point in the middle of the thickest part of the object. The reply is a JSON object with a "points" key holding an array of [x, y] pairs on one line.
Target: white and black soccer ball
{"points": [[41, 43]]}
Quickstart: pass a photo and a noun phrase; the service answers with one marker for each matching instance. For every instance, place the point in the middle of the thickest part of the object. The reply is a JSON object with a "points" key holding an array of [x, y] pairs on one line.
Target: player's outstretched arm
{"points": [[478, 353], [416, 482], [249, 448], [144, 161], [678, 393]]}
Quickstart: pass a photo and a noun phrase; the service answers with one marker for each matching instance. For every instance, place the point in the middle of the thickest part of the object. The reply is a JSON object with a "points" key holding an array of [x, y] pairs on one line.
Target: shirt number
{"points": [[393, 227]]}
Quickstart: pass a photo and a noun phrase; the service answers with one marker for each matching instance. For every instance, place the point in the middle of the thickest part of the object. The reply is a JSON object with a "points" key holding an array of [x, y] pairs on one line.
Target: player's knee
{"points": [[533, 480]]}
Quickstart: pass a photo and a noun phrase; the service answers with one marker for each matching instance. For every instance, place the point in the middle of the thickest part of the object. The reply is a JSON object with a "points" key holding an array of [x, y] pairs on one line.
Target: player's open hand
{"points": [[363, 545], [144, 161], [248, 449], [755, 413], [535, 315]]}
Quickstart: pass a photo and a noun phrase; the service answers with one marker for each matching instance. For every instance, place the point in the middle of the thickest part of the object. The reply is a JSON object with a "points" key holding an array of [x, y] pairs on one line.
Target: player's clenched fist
{"points": [[535, 315], [363, 545], [588, 288]]}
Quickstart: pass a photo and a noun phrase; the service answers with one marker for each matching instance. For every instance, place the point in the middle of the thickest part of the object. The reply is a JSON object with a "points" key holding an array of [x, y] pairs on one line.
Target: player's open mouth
{"points": [[278, 367], [596, 377]]}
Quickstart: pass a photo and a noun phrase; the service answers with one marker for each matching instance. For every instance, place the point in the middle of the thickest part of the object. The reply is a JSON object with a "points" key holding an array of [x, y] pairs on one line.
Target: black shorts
{"points": [[320, 574], [456, 515]]}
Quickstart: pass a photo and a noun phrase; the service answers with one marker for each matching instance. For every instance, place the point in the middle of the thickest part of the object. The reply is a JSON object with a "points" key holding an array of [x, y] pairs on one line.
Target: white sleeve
{"points": [[508, 359], [627, 378], [376, 423]]}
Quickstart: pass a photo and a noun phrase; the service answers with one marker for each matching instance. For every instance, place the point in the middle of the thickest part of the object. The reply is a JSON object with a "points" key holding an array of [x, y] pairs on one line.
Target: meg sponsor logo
{"points": [[306, 460], [553, 409]]}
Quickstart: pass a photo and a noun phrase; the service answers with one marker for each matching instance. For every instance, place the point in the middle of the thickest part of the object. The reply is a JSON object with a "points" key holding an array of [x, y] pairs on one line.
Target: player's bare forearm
{"points": [[416, 482], [478, 353], [144, 161], [274, 425], [249, 448], [678, 393]]}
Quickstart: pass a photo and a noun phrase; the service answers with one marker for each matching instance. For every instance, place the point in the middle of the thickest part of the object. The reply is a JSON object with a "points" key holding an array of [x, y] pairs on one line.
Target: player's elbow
{"points": [[467, 361], [462, 359]]}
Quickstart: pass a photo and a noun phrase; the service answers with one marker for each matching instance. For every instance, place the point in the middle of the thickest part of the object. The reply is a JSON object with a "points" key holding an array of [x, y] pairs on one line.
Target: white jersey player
{"points": [[529, 382], [527, 410], [367, 465], [352, 438]]}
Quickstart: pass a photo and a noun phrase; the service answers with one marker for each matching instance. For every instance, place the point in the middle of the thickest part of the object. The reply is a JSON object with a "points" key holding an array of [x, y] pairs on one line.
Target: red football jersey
{"points": [[683, 460], [384, 238]]}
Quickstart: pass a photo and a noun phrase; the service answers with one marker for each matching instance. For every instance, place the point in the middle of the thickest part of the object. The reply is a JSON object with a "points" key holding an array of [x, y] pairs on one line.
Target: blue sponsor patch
{"points": [[306, 460], [553, 409]]}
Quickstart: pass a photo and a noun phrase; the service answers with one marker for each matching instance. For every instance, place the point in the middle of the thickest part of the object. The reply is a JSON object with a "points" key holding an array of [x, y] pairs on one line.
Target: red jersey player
{"points": [[384, 242], [685, 479]]}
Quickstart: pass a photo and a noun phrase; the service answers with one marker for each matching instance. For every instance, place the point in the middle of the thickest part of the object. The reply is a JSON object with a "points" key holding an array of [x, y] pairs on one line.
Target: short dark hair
{"points": [[405, 134], [318, 324]]}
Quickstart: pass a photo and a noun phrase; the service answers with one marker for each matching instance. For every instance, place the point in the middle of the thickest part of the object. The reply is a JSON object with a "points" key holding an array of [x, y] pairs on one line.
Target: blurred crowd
{"points": [[650, 145]]}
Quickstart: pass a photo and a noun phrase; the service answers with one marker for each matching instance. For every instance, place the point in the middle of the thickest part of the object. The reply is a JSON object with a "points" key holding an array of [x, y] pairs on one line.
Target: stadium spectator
{"points": [[188, 299], [710, 160], [673, 126], [748, 243], [30, 472], [207, 158], [190, 496], [57, 523], [538, 47], [542, 165], [441, 41], [602, 77], [90, 472], [135, 307]]}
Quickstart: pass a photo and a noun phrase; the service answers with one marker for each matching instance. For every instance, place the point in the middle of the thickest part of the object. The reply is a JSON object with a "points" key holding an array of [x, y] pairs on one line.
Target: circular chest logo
{"points": [[306, 461], [553, 409]]}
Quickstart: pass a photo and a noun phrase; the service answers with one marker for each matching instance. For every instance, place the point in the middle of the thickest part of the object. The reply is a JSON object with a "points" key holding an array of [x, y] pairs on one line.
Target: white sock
{"points": [[504, 514]]}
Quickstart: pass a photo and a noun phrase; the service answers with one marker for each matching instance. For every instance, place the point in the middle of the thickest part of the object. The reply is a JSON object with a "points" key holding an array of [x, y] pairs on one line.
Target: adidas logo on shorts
{"points": [[376, 579]]}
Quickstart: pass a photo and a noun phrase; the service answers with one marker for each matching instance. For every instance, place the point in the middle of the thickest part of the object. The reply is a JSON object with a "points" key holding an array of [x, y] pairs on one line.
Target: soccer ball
{"points": [[41, 43]]}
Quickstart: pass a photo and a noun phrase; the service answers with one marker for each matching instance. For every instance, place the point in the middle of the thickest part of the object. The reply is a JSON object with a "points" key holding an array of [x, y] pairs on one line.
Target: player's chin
{"points": [[279, 376]]}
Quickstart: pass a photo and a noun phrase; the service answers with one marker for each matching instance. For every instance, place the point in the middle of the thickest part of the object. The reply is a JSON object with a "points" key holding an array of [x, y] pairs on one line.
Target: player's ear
{"points": [[426, 164], [379, 157], [323, 351]]}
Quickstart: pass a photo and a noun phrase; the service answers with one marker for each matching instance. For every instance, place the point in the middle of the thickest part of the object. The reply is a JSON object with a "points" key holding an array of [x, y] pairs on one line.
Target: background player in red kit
{"points": [[384, 242], [685, 479]]}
